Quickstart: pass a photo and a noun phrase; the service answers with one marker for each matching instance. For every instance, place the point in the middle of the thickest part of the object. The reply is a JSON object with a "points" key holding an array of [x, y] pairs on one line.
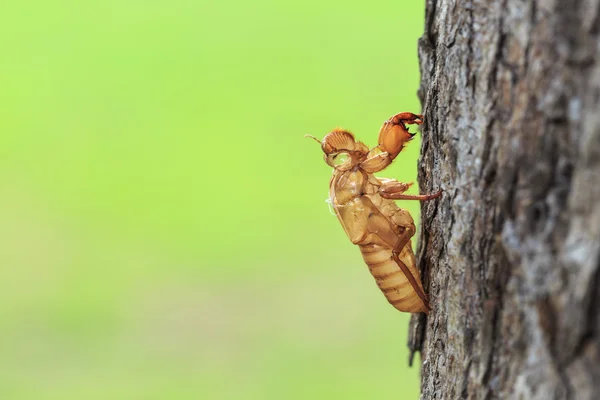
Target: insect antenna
{"points": [[312, 137]]}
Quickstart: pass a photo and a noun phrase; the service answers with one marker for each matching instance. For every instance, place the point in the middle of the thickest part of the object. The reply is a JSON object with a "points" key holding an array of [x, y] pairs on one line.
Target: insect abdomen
{"points": [[391, 279]]}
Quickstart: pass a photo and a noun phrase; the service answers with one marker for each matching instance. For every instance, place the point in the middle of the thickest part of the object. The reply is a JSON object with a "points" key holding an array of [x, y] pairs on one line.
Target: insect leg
{"points": [[394, 190], [402, 196], [403, 240], [404, 229], [393, 134], [376, 162], [392, 137], [393, 186], [407, 118]]}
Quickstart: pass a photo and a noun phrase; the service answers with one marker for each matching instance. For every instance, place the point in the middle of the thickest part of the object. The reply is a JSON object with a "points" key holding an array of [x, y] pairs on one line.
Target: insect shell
{"points": [[365, 206]]}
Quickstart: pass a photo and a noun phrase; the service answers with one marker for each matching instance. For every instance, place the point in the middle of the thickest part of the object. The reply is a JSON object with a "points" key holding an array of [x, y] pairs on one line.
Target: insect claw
{"points": [[394, 133]]}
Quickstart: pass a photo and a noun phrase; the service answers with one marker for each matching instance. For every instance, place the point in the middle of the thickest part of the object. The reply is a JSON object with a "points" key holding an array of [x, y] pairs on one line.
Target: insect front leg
{"points": [[377, 162], [392, 137], [393, 134]]}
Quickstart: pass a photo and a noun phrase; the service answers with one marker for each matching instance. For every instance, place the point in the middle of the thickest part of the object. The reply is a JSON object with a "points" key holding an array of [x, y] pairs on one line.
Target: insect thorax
{"points": [[348, 185]]}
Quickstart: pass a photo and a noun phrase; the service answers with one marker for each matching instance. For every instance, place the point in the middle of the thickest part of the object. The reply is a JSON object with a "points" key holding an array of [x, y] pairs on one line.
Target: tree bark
{"points": [[510, 253]]}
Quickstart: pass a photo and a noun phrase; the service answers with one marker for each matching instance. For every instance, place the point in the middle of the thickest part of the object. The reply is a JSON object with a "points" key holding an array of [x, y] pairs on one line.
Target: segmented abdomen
{"points": [[392, 281]]}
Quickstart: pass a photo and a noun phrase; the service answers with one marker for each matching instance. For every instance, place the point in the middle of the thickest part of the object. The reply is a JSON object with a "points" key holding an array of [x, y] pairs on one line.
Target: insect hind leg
{"points": [[403, 241], [402, 238], [406, 229]]}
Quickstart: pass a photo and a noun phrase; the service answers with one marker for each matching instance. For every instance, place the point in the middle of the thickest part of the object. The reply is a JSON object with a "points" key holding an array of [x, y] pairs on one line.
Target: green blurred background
{"points": [[163, 226]]}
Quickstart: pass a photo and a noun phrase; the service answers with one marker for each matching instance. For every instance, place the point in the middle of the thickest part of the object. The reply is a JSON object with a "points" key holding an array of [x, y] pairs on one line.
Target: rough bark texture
{"points": [[510, 253]]}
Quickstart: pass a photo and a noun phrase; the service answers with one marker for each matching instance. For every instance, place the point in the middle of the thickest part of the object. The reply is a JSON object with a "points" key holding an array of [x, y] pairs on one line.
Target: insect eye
{"points": [[340, 158]]}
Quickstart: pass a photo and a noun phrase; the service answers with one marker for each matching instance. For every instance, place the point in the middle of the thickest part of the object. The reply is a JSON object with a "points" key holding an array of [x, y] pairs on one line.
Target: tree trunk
{"points": [[510, 253]]}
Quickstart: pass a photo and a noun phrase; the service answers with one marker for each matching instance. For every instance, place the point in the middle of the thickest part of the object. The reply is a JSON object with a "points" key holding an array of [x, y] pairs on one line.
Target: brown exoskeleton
{"points": [[366, 209]]}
